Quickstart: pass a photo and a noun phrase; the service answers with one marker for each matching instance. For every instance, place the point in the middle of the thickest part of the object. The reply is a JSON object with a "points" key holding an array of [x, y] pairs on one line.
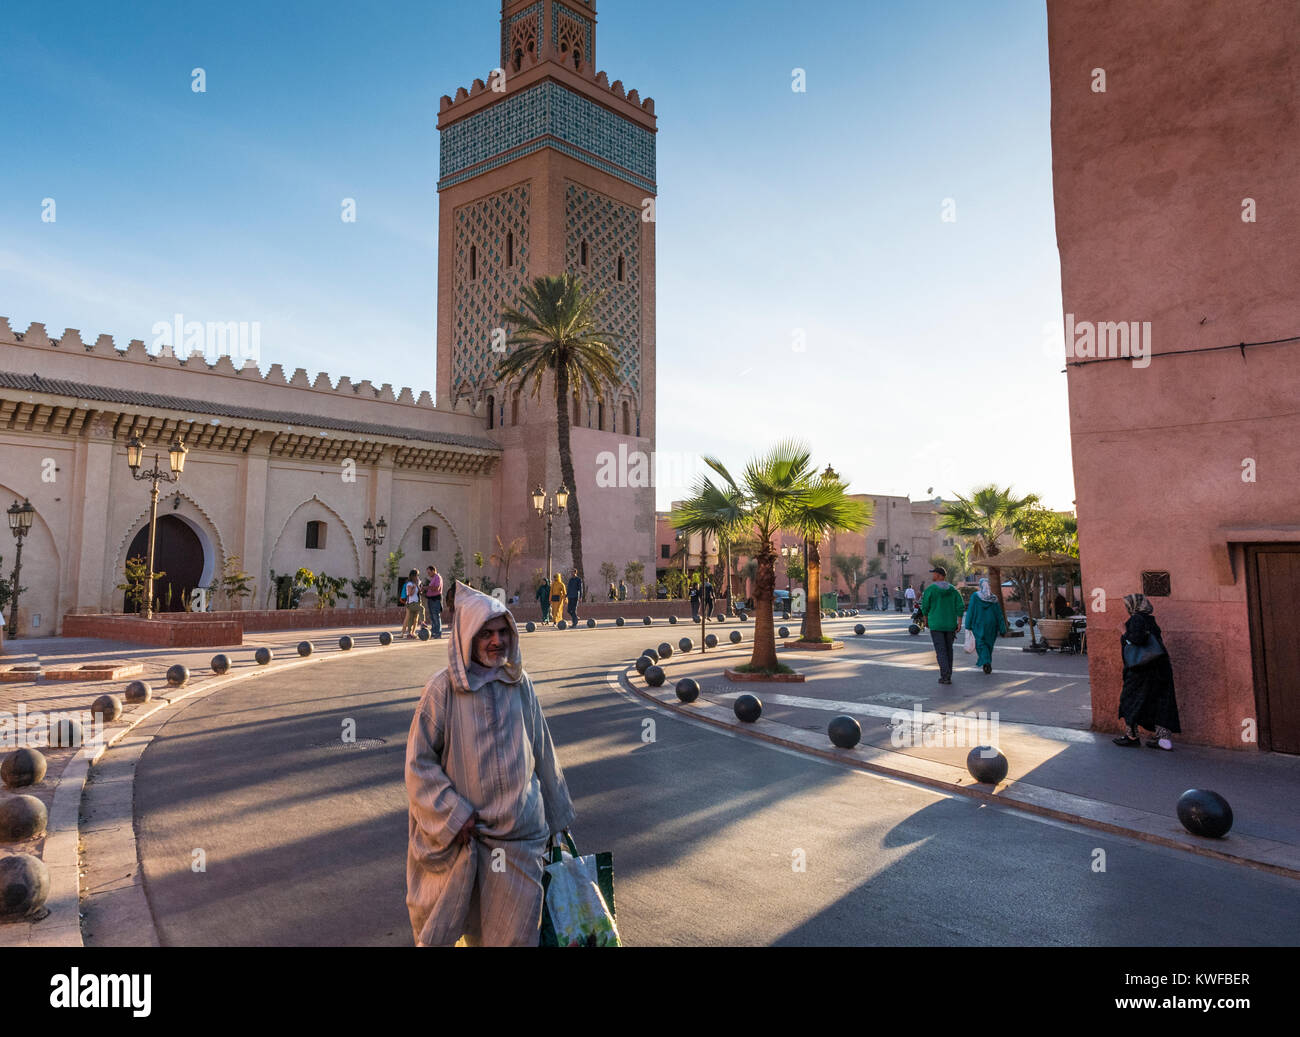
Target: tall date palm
{"points": [[988, 515], [555, 333]]}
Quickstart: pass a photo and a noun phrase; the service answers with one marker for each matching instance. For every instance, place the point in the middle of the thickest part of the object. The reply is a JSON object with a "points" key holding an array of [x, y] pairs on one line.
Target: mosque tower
{"points": [[547, 166]]}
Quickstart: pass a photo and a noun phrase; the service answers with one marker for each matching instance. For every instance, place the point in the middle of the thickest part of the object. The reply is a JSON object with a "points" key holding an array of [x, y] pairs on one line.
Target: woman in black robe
{"points": [[1148, 697]]}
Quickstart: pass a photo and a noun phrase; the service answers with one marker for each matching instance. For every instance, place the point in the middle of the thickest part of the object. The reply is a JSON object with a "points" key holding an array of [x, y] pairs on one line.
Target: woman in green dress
{"points": [[985, 621]]}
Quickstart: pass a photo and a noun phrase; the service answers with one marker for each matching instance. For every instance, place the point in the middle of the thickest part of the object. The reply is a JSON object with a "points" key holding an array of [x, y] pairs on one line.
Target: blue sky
{"points": [[925, 361]]}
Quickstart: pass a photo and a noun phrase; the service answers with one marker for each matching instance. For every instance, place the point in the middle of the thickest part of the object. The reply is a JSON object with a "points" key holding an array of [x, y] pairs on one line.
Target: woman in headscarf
{"points": [[558, 596], [1148, 696], [985, 621], [485, 790]]}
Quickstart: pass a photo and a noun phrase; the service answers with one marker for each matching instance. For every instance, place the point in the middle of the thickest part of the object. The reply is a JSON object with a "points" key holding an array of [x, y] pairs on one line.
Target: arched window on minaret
{"points": [[514, 408], [600, 415], [627, 420], [620, 268], [510, 249], [473, 262], [577, 410], [577, 58], [582, 253], [492, 411], [519, 58]]}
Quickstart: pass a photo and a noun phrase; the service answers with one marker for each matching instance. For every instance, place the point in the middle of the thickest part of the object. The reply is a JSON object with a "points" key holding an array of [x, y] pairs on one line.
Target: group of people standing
{"points": [[423, 601], [558, 597]]}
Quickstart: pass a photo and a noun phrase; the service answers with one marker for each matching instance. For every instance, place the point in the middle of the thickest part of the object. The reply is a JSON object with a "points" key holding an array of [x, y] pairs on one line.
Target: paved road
{"points": [[305, 841]]}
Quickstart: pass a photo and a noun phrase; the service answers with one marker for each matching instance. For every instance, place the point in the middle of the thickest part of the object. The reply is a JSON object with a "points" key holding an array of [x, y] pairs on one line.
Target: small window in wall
{"points": [[514, 408], [492, 411], [620, 268], [880, 547], [316, 536], [665, 550], [473, 262], [582, 254], [600, 416], [627, 420], [577, 410], [429, 538], [510, 249]]}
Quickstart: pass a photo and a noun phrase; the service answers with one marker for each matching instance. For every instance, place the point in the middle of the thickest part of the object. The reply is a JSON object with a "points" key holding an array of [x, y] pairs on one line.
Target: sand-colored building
{"points": [[546, 167]]}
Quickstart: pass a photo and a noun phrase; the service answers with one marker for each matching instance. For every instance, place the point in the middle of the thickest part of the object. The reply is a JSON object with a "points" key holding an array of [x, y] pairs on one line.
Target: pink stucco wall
{"points": [[1151, 177]]}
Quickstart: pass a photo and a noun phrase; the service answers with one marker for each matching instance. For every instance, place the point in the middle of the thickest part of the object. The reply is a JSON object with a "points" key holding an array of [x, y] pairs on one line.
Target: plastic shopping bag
{"points": [[578, 909], [969, 646]]}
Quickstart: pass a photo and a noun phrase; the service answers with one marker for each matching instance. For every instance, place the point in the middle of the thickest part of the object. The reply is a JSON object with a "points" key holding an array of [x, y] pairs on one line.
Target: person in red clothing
{"points": [[433, 600]]}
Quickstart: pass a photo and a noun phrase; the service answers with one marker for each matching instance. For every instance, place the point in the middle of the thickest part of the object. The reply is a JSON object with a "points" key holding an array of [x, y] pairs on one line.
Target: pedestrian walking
{"points": [[543, 597], [557, 598], [411, 599], [613, 593], [984, 621], [941, 605], [574, 593], [695, 602], [1147, 699], [433, 600], [706, 597], [622, 591], [909, 598], [485, 791]]}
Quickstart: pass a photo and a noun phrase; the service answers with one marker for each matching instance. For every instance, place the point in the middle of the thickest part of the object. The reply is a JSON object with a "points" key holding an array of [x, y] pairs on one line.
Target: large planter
{"points": [[1055, 632]]}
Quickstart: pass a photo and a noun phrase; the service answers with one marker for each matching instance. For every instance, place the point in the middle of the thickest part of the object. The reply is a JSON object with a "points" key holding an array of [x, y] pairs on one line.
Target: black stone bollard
{"points": [[23, 767], [220, 664], [108, 707], [643, 663], [22, 817], [177, 675], [67, 734], [530, 626], [263, 655], [139, 691], [345, 642], [620, 621], [305, 647], [844, 732], [685, 644], [590, 623], [687, 689], [654, 676], [652, 653], [913, 629], [783, 632], [385, 637], [735, 637], [672, 621], [859, 629], [665, 650], [562, 625], [24, 885], [986, 764], [1204, 813], [710, 640], [646, 620], [748, 708]]}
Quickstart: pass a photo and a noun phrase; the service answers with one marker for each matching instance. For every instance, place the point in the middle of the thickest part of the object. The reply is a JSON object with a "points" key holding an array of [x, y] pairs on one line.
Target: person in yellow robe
{"points": [[559, 597]]}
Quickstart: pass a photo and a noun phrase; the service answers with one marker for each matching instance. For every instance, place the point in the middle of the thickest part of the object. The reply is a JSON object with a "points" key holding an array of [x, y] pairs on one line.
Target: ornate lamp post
{"points": [[134, 458], [789, 552], [374, 535], [20, 524], [901, 557], [548, 509]]}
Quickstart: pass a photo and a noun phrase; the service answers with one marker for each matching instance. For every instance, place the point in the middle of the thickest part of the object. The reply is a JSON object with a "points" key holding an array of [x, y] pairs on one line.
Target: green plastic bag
{"points": [[578, 899]]}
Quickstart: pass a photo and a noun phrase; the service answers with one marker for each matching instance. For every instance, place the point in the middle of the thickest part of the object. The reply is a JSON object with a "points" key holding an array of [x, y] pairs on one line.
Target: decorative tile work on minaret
{"points": [[490, 268], [611, 231], [521, 37]]}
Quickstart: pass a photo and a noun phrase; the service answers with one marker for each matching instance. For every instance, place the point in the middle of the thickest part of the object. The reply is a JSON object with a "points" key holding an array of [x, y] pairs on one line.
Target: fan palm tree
{"points": [[825, 509], [556, 333], [767, 498], [984, 518]]}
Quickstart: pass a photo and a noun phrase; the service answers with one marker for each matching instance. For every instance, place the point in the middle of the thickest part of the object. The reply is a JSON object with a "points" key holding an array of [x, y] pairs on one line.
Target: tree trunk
{"points": [[995, 584], [812, 627], [566, 466], [764, 656]]}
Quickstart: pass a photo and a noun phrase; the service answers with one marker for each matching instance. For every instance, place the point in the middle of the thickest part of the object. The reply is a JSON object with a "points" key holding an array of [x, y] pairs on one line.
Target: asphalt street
{"points": [[717, 839]]}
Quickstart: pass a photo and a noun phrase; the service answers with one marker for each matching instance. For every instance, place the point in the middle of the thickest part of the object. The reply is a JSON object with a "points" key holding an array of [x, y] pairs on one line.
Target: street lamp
{"points": [[374, 535], [548, 509], [20, 524], [789, 552], [134, 459], [901, 557]]}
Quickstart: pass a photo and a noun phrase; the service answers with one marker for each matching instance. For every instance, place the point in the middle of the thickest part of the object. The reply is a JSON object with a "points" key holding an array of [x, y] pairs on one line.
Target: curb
{"points": [[1016, 795], [61, 927]]}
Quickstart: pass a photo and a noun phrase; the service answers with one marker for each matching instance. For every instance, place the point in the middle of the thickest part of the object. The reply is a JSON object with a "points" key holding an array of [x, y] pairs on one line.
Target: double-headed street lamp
{"points": [[548, 509], [374, 537], [901, 557], [134, 458], [20, 524]]}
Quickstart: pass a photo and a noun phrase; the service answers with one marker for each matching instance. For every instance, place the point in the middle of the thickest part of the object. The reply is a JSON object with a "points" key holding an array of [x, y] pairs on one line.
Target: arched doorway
{"points": [[178, 553]]}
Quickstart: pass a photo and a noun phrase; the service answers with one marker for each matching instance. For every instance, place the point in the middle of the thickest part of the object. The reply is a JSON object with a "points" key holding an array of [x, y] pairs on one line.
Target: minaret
{"points": [[547, 167]]}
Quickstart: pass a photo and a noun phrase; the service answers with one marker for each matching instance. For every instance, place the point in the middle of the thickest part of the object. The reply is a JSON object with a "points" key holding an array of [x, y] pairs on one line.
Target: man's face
{"points": [[492, 642]]}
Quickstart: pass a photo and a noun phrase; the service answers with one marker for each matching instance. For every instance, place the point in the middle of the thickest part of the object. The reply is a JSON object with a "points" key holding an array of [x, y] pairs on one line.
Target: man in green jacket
{"points": [[942, 606]]}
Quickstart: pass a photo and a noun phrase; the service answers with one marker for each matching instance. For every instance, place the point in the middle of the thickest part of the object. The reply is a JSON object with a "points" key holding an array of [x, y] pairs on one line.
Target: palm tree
{"points": [[556, 333], [826, 508], [767, 499], [984, 518]]}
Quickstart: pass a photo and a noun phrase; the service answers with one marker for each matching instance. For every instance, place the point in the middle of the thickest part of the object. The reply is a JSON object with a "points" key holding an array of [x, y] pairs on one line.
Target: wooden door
{"points": [[1273, 589]]}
